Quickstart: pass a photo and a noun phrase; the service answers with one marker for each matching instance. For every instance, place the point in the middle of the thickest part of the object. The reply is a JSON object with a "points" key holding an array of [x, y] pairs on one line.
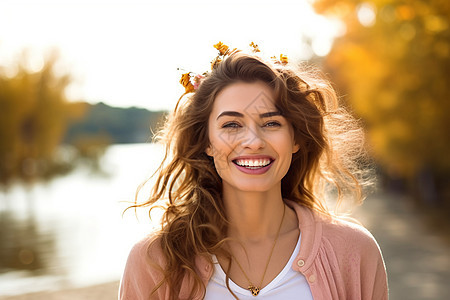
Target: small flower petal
{"points": [[186, 83]]}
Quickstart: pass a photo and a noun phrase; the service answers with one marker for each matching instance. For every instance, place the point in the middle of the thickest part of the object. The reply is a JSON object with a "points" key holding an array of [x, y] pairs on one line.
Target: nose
{"points": [[253, 139]]}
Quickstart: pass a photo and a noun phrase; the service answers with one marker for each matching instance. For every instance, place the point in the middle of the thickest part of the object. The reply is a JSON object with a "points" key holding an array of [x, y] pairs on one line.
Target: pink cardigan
{"points": [[340, 260]]}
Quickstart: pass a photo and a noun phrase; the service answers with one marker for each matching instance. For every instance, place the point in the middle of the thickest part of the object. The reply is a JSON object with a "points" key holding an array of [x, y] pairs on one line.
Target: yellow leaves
{"points": [[186, 83], [405, 12], [282, 61], [390, 142], [223, 49], [442, 49], [33, 119], [435, 23], [191, 82], [255, 47], [394, 76], [338, 9]]}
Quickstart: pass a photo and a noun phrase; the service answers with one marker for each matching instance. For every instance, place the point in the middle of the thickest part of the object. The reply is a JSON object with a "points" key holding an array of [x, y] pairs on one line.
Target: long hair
{"points": [[194, 222]]}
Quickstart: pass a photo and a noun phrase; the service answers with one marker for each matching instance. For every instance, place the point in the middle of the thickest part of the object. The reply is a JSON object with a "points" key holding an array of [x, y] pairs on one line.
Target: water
{"points": [[70, 232]]}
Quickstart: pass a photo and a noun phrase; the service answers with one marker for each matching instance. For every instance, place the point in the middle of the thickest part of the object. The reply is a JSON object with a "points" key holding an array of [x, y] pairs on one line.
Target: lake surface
{"points": [[70, 232]]}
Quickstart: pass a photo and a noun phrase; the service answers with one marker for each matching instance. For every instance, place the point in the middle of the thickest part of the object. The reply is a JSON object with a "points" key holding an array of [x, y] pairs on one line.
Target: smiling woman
{"points": [[250, 149]]}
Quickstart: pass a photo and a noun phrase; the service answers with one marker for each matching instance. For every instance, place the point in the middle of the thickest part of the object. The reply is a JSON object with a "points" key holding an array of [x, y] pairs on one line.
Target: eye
{"points": [[232, 125], [272, 124]]}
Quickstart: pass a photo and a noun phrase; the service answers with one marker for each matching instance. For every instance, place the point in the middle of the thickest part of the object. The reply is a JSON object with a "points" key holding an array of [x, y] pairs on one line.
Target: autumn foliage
{"points": [[393, 66], [34, 113]]}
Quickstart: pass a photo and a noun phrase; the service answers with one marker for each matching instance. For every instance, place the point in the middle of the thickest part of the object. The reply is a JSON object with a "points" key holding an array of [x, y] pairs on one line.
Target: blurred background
{"points": [[83, 84]]}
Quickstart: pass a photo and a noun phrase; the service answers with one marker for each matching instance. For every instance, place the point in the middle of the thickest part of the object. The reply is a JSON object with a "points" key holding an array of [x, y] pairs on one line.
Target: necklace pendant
{"points": [[255, 290]]}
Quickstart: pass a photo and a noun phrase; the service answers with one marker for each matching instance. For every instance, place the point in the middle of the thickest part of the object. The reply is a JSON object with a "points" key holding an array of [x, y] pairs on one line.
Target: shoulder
{"points": [[334, 234], [148, 247], [143, 269], [144, 274], [346, 250], [342, 233], [358, 256], [348, 235]]}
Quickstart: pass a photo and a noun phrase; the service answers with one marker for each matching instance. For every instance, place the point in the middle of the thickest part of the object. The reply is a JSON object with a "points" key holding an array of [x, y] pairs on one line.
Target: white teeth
{"points": [[253, 163]]}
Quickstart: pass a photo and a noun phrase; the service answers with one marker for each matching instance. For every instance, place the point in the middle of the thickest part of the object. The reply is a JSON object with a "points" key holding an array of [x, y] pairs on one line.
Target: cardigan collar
{"points": [[311, 230]]}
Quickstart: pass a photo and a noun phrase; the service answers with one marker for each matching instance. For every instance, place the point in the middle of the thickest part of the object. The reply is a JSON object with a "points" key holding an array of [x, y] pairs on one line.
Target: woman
{"points": [[248, 158]]}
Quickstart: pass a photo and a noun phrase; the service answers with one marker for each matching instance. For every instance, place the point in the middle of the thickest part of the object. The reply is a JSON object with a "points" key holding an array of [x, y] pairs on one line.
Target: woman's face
{"points": [[251, 142]]}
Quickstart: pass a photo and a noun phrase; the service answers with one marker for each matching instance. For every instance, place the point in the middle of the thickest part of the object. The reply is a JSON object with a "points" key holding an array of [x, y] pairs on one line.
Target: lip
{"points": [[257, 171]]}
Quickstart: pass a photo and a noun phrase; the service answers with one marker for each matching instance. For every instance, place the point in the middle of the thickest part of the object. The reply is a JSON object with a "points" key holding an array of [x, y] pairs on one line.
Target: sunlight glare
{"points": [[321, 46], [128, 53], [366, 14], [323, 34]]}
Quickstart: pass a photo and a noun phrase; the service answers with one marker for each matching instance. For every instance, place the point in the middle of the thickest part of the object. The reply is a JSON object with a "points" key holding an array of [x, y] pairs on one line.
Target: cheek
{"points": [[212, 143], [217, 149], [284, 141], [222, 142]]}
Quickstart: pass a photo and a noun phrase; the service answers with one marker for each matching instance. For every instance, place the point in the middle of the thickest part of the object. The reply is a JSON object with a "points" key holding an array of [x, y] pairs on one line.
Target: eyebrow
{"points": [[270, 114], [240, 115]]}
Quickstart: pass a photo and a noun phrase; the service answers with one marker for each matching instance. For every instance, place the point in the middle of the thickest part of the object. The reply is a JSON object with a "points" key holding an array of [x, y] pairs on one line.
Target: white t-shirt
{"points": [[288, 284]]}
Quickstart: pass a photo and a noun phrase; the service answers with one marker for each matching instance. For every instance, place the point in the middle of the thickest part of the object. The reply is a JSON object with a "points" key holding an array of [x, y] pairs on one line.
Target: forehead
{"points": [[255, 97]]}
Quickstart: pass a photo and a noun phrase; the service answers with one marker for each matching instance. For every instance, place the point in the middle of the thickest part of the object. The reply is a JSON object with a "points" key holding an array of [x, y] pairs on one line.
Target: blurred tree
{"points": [[393, 63], [33, 116]]}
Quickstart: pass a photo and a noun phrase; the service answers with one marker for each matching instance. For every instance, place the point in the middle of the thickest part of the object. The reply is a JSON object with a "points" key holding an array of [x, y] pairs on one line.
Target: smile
{"points": [[253, 163]]}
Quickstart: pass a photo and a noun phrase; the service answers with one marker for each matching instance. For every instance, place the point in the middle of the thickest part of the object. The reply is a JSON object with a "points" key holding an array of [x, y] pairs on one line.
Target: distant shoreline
{"points": [[105, 291]]}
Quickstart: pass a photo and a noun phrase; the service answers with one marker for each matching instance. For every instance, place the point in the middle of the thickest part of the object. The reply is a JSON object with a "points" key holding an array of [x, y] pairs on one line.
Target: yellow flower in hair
{"points": [[191, 82], [223, 49], [255, 47], [283, 59], [186, 83]]}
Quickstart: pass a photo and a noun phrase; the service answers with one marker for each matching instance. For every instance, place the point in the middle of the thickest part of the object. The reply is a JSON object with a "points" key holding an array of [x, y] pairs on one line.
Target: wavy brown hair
{"points": [[194, 222]]}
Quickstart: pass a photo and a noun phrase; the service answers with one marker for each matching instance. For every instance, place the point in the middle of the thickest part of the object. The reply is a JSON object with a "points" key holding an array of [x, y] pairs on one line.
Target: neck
{"points": [[253, 216]]}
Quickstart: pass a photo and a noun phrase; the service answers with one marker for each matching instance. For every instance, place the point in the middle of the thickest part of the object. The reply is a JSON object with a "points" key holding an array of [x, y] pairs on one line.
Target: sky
{"points": [[127, 53]]}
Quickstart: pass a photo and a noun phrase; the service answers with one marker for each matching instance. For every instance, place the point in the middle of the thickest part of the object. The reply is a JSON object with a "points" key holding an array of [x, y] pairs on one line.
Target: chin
{"points": [[253, 187]]}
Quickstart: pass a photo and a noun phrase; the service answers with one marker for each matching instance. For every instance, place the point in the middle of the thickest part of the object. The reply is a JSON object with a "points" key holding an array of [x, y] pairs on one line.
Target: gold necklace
{"points": [[251, 287]]}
